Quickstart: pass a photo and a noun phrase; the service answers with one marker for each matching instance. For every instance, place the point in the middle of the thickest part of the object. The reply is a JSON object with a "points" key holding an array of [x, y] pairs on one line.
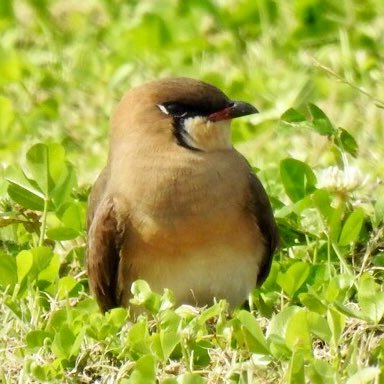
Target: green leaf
{"points": [[338, 288], [333, 216], [45, 176], [190, 378], [164, 343], [320, 121], [296, 368], [169, 380], [75, 349], [347, 142], [293, 278], [365, 376], [336, 322], [42, 258], [349, 311], [45, 372], [352, 227], [36, 338], [137, 338], [38, 167], [57, 320], [22, 191], [17, 177], [371, 300], [170, 321], [8, 271], [24, 262], [279, 322], [322, 200], [210, 312], [143, 295], [74, 216], [321, 372], [64, 184], [63, 342], [62, 233], [379, 260], [199, 351], [25, 198], [116, 318], [48, 272], [66, 286], [276, 332], [144, 372], [318, 326], [297, 335], [313, 302], [253, 336], [298, 178], [292, 116]]}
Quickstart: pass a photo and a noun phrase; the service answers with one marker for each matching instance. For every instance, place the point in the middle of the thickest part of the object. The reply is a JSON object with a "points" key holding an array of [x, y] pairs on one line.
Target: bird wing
{"points": [[103, 246], [261, 210]]}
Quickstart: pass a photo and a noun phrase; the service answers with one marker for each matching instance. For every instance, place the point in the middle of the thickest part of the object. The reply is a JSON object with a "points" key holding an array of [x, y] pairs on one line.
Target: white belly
{"points": [[199, 277]]}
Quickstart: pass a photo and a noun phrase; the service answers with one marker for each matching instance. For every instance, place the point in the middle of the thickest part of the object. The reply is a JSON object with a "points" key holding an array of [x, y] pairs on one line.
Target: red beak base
{"points": [[235, 109]]}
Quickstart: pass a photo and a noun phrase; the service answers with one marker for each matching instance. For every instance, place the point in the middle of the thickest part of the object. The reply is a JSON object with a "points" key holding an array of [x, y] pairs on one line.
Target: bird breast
{"points": [[182, 193]]}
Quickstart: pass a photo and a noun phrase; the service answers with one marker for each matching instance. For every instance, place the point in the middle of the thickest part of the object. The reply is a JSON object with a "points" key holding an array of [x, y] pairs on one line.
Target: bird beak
{"points": [[235, 109]]}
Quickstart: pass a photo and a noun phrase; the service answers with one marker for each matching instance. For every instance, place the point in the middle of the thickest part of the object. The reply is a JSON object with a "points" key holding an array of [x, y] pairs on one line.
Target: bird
{"points": [[176, 205]]}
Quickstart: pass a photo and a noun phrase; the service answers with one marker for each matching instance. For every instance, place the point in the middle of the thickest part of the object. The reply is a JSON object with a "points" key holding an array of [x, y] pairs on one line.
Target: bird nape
{"points": [[176, 204]]}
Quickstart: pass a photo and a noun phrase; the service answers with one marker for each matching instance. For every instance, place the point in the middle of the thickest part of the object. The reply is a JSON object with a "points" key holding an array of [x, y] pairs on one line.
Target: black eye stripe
{"points": [[176, 109], [181, 110]]}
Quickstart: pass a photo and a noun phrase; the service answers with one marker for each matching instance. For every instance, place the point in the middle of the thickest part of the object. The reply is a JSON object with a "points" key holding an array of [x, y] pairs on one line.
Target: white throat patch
{"points": [[200, 133]]}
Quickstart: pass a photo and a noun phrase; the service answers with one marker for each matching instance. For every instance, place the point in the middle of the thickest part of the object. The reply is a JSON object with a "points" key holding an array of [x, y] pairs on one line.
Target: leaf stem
{"points": [[43, 222], [342, 260]]}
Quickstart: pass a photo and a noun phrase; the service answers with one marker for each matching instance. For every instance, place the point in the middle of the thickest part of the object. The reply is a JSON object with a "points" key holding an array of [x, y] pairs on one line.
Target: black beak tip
{"points": [[241, 108]]}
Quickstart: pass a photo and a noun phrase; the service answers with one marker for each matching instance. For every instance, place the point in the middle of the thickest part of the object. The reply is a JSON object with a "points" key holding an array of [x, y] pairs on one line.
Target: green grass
{"points": [[315, 71]]}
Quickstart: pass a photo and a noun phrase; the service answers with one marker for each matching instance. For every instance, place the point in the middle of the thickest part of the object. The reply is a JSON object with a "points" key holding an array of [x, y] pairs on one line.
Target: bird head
{"points": [[183, 111]]}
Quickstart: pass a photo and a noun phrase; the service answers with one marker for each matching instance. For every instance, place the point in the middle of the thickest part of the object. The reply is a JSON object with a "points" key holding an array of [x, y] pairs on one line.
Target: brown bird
{"points": [[176, 204]]}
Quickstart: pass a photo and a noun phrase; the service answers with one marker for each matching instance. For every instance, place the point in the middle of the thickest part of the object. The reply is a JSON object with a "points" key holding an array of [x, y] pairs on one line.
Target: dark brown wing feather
{"points": [[96, 195], [261, 209], [103, 246]]}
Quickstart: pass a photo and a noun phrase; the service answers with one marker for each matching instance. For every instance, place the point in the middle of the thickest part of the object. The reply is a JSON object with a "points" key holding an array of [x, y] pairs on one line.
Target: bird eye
{"points": [[174, 109]]}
